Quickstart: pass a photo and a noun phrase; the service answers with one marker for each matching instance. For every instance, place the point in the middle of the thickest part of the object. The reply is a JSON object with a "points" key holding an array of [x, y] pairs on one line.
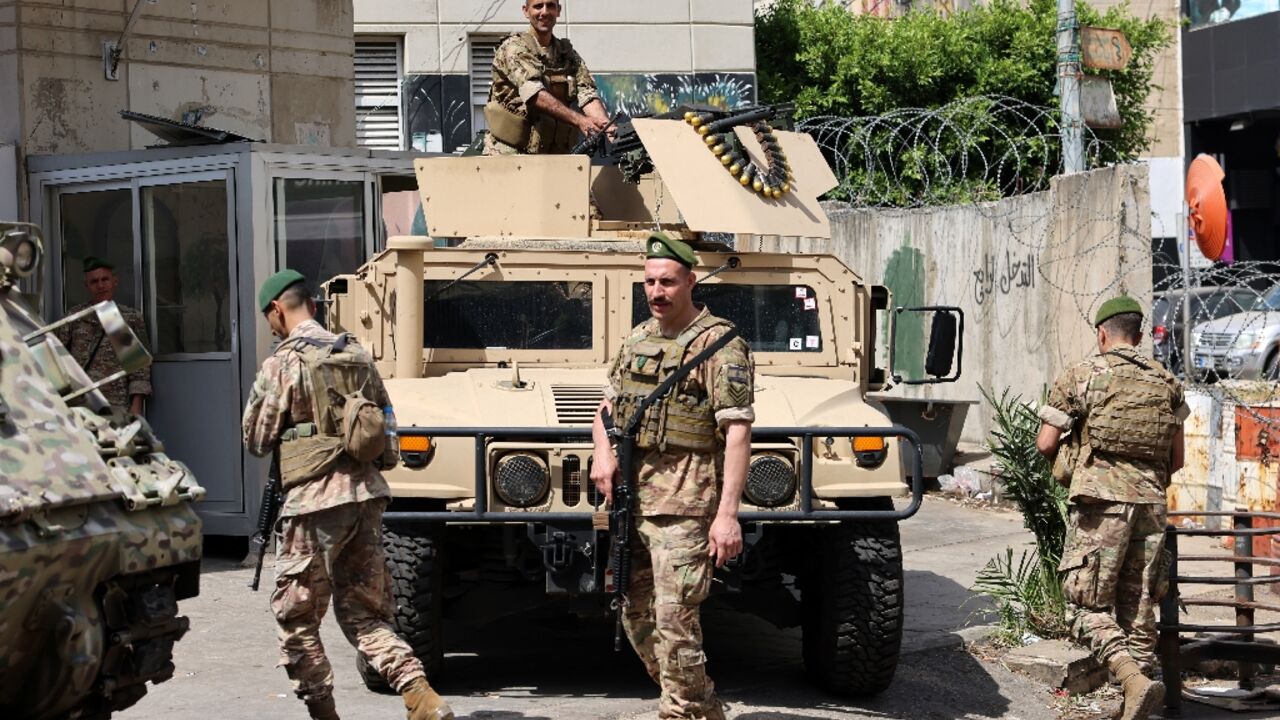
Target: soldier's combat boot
{"points": [[423, 703], [1141, 694], [322, 709]]}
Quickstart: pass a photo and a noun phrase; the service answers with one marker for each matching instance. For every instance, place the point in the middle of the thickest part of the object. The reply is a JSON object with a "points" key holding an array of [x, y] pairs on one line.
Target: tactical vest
{"points": [[682, 419], [1129, 410], [335, 371], [512, 123]]}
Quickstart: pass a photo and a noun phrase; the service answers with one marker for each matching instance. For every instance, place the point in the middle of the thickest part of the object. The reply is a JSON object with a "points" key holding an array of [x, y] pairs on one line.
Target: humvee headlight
{"points": [[521, 479], [771, 481], [870, 451]]}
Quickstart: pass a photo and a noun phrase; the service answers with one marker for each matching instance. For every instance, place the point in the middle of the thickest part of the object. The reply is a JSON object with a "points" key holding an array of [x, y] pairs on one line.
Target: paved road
{"points": [[567, 670]]}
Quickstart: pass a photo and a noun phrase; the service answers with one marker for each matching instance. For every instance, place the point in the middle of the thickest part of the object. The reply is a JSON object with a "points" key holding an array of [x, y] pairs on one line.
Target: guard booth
{"points": [[193, 231]]}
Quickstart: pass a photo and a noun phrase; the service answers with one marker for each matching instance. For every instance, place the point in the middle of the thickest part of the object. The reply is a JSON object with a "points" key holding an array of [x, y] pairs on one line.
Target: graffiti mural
{"points": [[437, 112], [644, 94]]}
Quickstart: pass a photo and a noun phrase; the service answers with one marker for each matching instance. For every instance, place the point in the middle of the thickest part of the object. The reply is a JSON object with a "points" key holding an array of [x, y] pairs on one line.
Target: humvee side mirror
{"points": [[946, 343]]}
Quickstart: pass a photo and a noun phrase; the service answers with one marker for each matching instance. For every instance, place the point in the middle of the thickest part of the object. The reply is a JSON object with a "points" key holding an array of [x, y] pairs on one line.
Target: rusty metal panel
{"points": [[1257, 433]]}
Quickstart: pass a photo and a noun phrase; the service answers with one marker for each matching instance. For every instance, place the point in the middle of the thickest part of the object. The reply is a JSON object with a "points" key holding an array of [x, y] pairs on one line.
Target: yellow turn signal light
{"points": [[415, 444], [862, 444]]}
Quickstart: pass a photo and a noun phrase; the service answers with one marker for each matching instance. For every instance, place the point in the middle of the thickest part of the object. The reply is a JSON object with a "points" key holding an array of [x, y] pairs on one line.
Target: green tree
{"points": [[832, 62]]}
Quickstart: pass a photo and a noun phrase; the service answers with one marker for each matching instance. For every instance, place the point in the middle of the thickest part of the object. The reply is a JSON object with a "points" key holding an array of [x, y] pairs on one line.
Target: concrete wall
{"points": [[274, 70], [1029, 272], [645, 55]]}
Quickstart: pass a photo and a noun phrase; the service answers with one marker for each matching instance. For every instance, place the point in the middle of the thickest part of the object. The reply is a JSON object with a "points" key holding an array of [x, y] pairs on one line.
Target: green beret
{"points": [[275, 285], [92, 263], [1116, 306], [660, 246]]}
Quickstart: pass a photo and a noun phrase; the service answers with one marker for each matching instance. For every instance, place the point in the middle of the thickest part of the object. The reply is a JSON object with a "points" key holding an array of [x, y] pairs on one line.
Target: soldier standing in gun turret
{"points": [[538, 79], [329, 539], [86, 340], [693, 450], [1126, 413]]}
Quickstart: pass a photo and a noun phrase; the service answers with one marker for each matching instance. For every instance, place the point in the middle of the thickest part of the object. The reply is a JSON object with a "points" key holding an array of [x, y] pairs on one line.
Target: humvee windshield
{"points": [[771, 318], [510, 315]]}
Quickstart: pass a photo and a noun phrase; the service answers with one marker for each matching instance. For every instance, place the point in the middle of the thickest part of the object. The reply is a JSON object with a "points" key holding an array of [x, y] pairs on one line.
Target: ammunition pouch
{"points": [[306, 454], [507, 126]]}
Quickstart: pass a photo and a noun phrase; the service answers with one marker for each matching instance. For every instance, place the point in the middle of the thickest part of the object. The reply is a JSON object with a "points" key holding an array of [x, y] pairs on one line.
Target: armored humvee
{"points": [[98, 540], [495, 336]]}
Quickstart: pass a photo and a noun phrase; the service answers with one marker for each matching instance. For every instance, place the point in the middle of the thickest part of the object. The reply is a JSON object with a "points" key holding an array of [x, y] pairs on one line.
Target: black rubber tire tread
{"points": [[412, 556], [853, 602]]}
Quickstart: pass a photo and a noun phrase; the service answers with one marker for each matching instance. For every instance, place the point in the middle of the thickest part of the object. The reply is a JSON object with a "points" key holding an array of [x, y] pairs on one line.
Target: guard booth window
{"points": [[320, 226], [98, 224], [184, 227]]}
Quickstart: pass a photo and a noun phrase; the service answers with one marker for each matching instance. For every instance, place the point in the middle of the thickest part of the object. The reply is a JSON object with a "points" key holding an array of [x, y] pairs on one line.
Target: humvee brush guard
{"points": [[495, 339]]}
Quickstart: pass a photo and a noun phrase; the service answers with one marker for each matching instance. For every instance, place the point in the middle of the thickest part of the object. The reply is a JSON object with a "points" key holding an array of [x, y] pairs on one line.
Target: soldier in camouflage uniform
{"points": [[1125, 414], [86, 340], [689, 477], [538, 79], [329, 537]]}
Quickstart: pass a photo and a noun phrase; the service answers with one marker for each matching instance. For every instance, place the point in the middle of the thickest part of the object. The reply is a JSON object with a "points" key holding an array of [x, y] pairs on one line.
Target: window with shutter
{"points": [[483, 48], [378, 77]]}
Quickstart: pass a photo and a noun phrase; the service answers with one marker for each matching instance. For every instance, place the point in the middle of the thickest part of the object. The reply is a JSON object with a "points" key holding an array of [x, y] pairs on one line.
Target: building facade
{"points": [[272, 70], [1229, 63], [423, 68]]}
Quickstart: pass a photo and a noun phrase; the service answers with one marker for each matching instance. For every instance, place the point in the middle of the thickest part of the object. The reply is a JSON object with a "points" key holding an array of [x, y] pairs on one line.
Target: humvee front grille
{"points": [[576, 404], [571, 493]]}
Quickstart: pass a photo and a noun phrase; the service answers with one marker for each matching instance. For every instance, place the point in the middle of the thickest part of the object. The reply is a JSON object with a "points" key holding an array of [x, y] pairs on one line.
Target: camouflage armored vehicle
{"points": [[495, 337], [98, 540]]}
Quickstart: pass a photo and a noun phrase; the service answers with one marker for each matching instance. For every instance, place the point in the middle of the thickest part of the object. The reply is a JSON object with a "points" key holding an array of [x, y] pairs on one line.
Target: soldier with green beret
{"points": [[691, 467], [329, 536], [1124, 413], [85, 339]]}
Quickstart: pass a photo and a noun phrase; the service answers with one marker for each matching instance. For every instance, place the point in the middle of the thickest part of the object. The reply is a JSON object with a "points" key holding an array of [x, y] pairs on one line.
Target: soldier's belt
{"points": [[301, 430]]}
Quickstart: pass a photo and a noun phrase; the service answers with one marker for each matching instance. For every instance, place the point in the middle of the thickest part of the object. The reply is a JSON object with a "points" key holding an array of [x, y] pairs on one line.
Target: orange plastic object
{"points": [[1207, 205]]}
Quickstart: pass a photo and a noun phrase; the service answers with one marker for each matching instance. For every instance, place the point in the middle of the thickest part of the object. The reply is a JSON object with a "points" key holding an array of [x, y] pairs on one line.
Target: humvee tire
{"points": [[412, 556], [853, 604]]}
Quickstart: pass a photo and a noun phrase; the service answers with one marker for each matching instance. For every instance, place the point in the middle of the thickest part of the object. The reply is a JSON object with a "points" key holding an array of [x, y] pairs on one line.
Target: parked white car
{"points": [[1244, 345]]}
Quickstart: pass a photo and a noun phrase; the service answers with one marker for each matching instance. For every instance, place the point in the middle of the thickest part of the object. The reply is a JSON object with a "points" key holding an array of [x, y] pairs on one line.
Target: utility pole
{"points": [[1069, 87]]}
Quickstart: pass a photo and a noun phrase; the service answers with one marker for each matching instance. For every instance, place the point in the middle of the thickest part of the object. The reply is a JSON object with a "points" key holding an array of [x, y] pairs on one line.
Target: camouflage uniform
{"points": [[521, 69], [677, 497], [1114, 563], [329, 540], [85, 341]]}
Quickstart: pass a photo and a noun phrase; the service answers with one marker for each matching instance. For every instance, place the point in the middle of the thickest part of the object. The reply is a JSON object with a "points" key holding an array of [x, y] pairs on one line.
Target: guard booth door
{"points": [[171, 238]]}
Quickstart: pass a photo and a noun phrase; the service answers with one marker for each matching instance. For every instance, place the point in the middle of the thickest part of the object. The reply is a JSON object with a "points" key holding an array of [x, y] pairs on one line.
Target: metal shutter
{"points": [[483, 48], [377, 88]]}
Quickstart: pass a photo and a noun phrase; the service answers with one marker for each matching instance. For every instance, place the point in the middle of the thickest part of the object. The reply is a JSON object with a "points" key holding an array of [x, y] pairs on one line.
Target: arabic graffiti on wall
{"points": [[1003, 275]]}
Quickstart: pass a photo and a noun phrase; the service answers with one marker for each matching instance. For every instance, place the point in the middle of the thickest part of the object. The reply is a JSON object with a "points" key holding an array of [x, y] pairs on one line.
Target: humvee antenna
{"points": [[489, 259]]}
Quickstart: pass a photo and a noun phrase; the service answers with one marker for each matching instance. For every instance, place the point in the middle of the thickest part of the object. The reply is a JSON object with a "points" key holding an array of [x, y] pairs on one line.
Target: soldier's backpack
{"points": [[1130, 412], [345, 418]]}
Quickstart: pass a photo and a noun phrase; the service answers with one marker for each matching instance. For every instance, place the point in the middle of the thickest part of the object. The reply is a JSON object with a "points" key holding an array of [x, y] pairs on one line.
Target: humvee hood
{"points": [[552, 397]]}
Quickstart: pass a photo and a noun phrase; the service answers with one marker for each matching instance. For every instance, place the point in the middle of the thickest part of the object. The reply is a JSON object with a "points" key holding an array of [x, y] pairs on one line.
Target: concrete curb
{"points": [[958, 638]]}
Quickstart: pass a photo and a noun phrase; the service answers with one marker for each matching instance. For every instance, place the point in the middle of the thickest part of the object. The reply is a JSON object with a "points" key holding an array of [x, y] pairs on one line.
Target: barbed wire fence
{"points": [[998, 157]]}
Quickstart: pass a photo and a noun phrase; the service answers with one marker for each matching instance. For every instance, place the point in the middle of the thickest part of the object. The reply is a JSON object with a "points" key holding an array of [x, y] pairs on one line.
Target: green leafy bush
{"points": [[829, 61], [1027, 590]]}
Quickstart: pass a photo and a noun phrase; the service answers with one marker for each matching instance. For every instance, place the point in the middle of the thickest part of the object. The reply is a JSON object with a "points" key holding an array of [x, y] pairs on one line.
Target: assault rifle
{"points": [[268, 511], [621, 513]]}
